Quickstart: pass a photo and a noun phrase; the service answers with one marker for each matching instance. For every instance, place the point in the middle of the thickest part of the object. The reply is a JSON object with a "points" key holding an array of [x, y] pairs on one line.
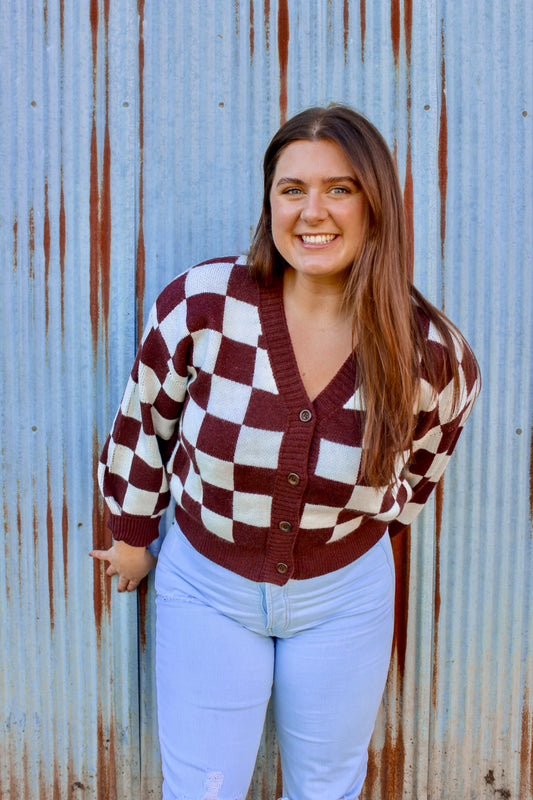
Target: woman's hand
{"points": [[130, 563]]}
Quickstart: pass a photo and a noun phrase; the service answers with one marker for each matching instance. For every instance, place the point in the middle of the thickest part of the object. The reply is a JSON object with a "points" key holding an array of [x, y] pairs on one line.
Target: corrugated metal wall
{"points": [[131, 139]]}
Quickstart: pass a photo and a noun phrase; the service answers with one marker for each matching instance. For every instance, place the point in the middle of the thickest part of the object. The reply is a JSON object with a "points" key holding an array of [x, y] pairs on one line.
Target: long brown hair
{"points": [[390, 345]]}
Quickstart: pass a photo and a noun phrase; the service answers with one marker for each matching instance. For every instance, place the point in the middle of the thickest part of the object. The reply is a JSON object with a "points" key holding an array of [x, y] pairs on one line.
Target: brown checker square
{"points": [[235, 361], [344, 427], [144, 476], [265, 410], [126, 431], [115, 486], [250, 536], [162, 503], [218, 437], [218, 500], [337, 493], [166, 406], [154, 352], [170, 297], [248, 480]]}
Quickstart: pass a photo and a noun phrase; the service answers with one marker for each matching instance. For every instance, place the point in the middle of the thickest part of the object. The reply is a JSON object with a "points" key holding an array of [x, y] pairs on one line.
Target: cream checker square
{"points": [[338, 462], [252, 509], [228, 399], [241, 322], [258, 447], [215, 471]]}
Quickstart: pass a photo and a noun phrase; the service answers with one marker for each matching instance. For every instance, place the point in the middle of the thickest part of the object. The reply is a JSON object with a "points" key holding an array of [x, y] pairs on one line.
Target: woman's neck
{"points": [[311, 297]]}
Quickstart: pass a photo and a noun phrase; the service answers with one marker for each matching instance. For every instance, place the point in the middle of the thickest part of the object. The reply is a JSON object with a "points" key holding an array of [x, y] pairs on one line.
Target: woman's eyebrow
{"points": [[334, 179]]}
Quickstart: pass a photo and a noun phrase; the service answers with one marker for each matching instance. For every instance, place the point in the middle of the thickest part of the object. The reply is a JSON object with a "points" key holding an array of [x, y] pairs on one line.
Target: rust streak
{"points": [[101, 541], [64, 528], [408, 31], [19, 535], [93, 18], [266, 14], [362, 25], [408, 198], [99, 196], [94, 303], [57, 789], [439, 504], [106, 779], [105, 231], [105, 190], [443, 151], [401, 548], [35, 523], [531, 475], [237, 14], [62, 251], [15, 244], [283, 54], [45, 21], [408, 194], [62, 25], [140, 264], [46, 249], [526, 748], [392, 766], [6, 540], [252, 31], [395, 30], [279, 779], [372, 773], [346, 27], [50, 543], [31, 243], [142, 596]]}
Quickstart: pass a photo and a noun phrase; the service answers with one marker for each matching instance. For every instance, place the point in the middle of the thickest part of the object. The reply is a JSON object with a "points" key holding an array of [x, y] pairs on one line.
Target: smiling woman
{"points": [[299, 404]]}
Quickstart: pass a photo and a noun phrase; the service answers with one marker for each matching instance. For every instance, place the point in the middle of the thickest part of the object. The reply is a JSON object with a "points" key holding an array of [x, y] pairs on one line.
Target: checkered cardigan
{"points": [[266, 482]]}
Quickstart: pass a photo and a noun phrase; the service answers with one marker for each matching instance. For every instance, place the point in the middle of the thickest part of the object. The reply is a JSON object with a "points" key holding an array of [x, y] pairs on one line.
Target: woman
{"points": [[299, 405]]}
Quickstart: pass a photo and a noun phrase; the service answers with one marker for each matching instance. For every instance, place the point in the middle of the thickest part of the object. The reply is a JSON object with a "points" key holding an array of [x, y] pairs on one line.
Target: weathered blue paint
{"points": [[131, 143]]}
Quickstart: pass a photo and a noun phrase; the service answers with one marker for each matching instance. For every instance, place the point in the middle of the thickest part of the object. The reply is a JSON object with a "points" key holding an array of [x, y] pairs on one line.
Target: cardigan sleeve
{"points": [[132, 471], [439, 425]]}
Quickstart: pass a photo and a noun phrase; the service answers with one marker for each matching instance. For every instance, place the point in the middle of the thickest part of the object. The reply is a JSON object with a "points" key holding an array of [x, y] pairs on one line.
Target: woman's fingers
{"points": [[101, 555], [131, 564]]}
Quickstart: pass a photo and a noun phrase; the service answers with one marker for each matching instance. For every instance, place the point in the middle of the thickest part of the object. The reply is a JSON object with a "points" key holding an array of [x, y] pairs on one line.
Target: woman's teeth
{"points": [[318, 238]]}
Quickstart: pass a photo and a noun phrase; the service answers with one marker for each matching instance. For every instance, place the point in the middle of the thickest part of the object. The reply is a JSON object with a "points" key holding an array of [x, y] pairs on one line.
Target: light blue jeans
{"points": [[321, 647]]}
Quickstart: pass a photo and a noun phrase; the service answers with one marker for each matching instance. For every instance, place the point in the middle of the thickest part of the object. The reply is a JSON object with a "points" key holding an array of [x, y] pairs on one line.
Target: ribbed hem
{"points": [[137, 531]]}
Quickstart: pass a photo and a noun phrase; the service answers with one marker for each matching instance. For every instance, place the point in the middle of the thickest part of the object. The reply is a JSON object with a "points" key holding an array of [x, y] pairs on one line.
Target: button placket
{"points": [[287, 498]]}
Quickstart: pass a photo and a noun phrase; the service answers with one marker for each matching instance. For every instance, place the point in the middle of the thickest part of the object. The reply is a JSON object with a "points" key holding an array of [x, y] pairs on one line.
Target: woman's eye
{"points": [[294, 190], [340, 190]]}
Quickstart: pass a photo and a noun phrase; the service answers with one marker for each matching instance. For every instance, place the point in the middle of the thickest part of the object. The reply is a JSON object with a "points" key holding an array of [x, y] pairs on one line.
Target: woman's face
{"points": [[318, 210]]}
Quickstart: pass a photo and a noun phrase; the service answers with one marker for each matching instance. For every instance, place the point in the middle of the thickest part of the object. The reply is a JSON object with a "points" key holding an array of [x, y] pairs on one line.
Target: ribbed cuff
{"points": [[137, 531]]}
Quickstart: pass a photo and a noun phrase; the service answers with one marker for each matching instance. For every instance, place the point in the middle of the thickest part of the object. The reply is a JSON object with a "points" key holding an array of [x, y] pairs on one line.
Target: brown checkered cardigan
{"points": [[266, 481]]}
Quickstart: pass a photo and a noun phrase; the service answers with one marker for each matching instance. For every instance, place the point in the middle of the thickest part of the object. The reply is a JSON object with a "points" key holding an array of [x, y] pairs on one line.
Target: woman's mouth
{"points": [[317, 238]]}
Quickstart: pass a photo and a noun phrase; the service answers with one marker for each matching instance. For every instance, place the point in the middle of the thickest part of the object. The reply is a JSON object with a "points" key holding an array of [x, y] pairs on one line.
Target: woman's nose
{"points": [[314, 209]]}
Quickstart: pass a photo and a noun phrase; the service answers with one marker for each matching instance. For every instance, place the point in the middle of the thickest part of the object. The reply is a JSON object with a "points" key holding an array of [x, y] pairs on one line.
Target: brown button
{"points": [[305, 415], [285, 526], [293, 479], [282, 568]]}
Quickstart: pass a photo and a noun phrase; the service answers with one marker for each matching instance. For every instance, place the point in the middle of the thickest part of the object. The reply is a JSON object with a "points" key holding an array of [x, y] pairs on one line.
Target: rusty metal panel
{"points": [[483, 660], [68, 682], [131, 142]]}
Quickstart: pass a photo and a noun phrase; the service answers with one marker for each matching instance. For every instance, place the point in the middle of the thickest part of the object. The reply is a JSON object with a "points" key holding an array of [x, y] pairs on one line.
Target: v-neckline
{"points": [[285, 366]]}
